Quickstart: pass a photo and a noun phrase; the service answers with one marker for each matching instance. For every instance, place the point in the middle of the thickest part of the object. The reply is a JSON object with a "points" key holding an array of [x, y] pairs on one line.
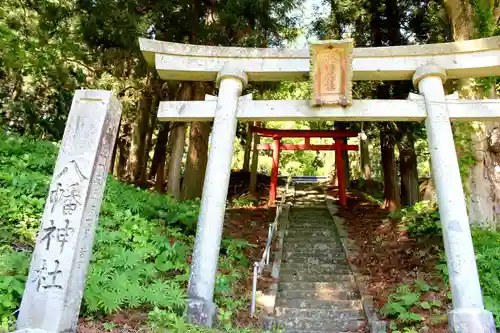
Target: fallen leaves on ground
{"points": [[388, 256]]}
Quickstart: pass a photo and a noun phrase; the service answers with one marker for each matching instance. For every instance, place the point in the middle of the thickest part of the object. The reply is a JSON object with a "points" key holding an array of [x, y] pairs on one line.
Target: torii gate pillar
{"points": [[468, 314], [274, 172], [339, 164], [201, 308]]}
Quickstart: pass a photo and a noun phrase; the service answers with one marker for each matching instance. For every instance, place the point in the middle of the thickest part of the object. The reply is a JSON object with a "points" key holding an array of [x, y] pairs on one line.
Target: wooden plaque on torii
{"points": [[331, 72]]}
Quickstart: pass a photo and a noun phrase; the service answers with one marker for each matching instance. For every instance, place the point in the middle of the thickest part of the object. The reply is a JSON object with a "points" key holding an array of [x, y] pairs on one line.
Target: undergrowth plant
{"points": [[406, 305], [423, 220], [487, 250], [242, 202], [420, 219], [142, 249]]}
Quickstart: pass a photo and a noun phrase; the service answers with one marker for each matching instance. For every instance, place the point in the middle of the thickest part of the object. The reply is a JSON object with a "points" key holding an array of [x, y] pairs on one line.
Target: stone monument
{"points": [[331, 72], [54, 289]]}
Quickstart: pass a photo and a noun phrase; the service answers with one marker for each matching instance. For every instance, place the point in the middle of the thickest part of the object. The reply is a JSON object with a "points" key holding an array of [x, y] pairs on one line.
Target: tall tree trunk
{"points": [[161, 158], [366, 169], [196, 161], [248, 149], [124, 149], [408, 166], [160, 151], [155, 91], [175, 165], [461, 16], [255, 162], [484, 177], [136, 161], [164, 167], [391, 189], [197, 157], [179, 139]]}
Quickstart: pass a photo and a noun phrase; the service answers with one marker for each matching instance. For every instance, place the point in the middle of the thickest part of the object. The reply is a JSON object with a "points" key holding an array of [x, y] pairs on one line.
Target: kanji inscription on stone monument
{"points": [[54, 289], [331, 72]]}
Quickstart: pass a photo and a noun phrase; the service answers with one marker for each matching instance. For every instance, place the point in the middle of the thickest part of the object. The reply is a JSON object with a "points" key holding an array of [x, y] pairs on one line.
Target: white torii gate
{"points": [[427, 65]]}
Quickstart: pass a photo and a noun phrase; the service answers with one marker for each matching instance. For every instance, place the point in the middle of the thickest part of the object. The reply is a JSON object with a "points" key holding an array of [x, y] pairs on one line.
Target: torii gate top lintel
{"points": [[187, 62]]}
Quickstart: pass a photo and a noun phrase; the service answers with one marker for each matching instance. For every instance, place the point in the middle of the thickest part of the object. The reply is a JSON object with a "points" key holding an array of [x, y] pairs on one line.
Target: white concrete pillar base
{"points": [[31, 330], [201, 312], [471, 321]]}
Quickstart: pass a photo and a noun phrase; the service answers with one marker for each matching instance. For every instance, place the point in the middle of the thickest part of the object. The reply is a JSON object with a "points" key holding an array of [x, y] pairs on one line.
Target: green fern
{"points": [[392, 309], [141, 244], [410, 317]]}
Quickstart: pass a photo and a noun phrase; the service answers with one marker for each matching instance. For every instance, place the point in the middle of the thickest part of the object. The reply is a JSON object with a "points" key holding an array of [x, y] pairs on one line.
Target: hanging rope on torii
{"points": [[339, 146]]}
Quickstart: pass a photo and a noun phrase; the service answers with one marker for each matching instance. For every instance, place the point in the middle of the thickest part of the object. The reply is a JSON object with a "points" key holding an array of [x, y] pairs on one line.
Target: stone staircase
{"points": [[316, 291]]}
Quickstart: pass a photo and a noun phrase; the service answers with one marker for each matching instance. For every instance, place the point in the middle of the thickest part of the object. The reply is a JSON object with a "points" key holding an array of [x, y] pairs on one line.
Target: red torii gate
{"points": [[276, 146]]}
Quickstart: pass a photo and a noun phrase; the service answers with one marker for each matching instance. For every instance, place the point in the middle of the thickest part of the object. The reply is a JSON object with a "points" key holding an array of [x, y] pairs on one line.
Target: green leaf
{"points": [[436, 303], [410, 317], [409, 299], [425, 305], [422, 285], [393, 308]]}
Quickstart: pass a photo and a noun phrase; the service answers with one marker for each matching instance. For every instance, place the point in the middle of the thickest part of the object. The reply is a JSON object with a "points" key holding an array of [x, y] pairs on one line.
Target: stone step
{"points": [[300, 226], [322, 295], [313, 227], [310, 219], [316, 292], [299, 240], [313, 261], [320, 205], [337, 258], [317, 271], [310, 233], [313, 213], [317, 321], [336, 305], [317, 207], [312, 246], [314, 239], [333, 252], [319, 315], [326, 268], [308, 202], [316, 286], [305, 277], [302, 222]]}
